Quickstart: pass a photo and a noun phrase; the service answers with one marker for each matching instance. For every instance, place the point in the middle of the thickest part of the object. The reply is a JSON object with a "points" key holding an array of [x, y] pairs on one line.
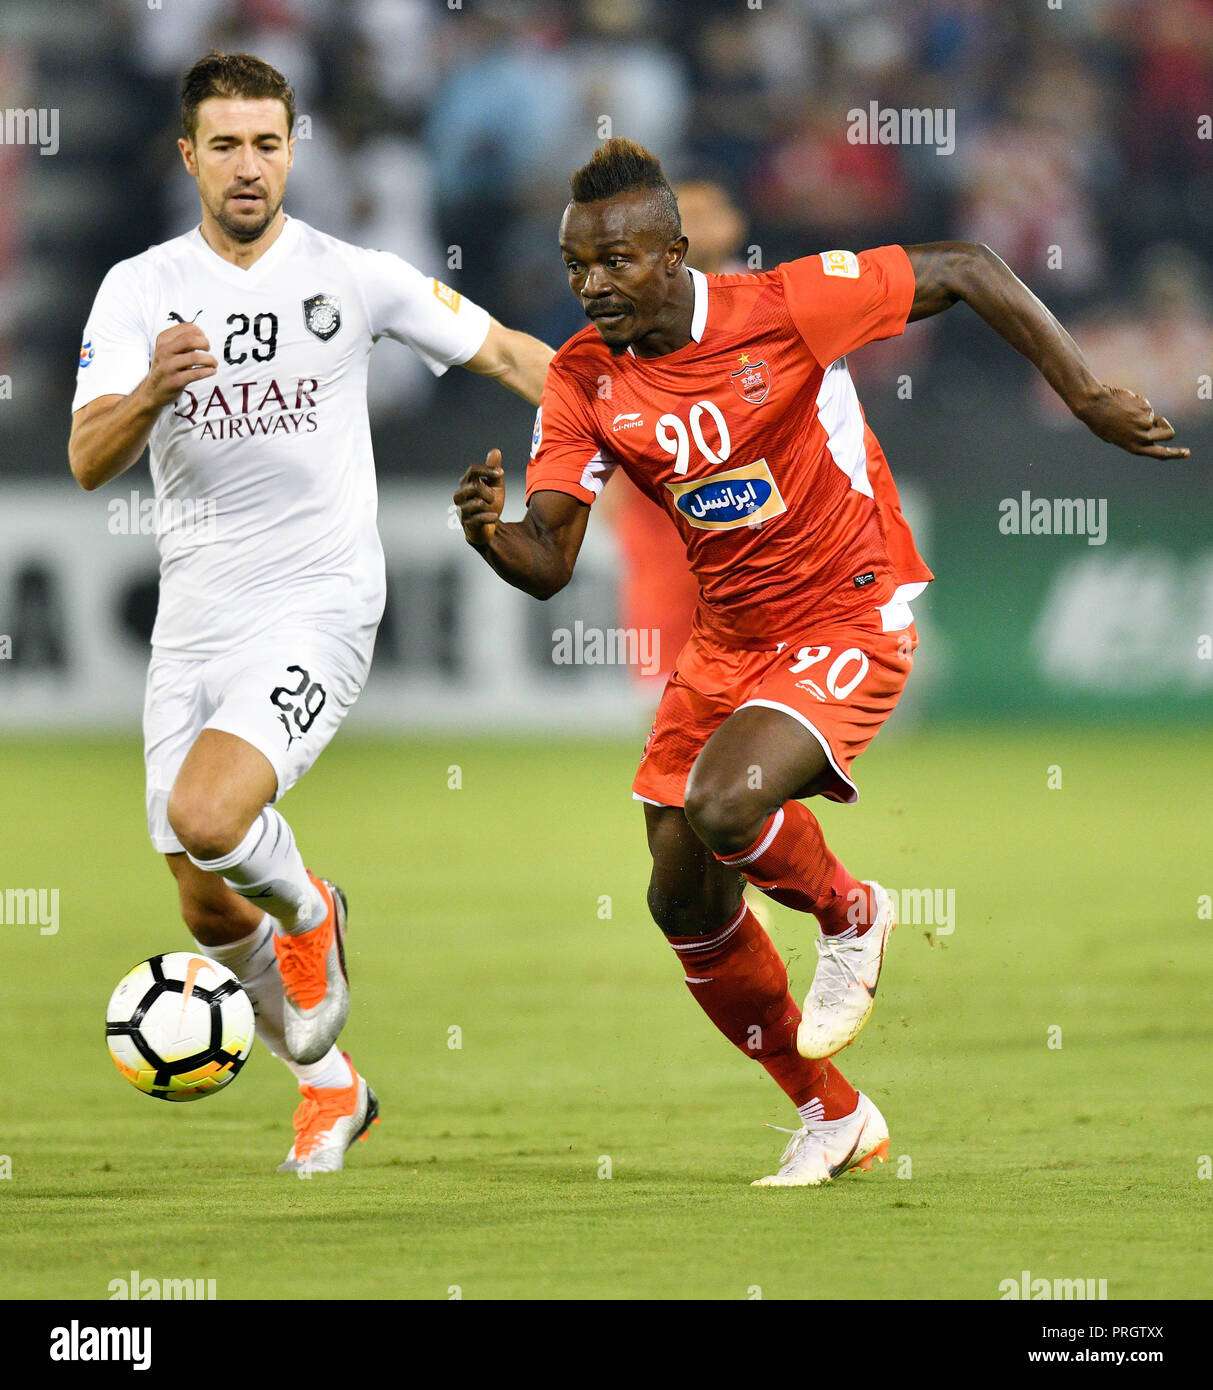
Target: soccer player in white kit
{"points": [[239, 353]]}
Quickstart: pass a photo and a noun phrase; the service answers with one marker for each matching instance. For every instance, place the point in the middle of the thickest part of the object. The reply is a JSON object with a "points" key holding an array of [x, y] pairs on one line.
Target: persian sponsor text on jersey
{"points": [[739, 497]]}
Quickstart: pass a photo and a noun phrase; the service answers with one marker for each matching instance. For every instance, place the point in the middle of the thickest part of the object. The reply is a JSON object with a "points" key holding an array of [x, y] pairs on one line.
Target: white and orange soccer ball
{"points": [[179, 1026]]}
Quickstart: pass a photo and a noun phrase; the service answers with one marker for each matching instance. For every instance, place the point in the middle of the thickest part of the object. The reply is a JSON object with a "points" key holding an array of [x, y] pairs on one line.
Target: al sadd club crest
{"points": [[322, 315]]}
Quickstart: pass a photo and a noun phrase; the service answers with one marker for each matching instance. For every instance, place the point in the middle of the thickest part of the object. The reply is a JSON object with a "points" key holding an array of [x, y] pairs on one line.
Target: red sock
{"points": [[740, 982], [791, 863]]}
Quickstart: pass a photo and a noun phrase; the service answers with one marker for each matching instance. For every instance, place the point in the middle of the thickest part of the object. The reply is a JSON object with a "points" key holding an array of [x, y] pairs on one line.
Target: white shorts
{"points": [[286, 694]]}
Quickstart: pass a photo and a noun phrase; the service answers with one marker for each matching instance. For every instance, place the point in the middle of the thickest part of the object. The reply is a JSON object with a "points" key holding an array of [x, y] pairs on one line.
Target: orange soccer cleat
{"points": [[327, 1122], [314, 979]]}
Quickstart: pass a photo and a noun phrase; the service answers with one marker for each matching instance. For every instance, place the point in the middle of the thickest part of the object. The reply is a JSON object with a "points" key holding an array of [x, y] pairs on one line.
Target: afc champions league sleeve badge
{"points": [[322, 315]]}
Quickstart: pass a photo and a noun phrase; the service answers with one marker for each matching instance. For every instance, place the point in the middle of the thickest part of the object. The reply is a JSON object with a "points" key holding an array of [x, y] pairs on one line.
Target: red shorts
{"points": [[841, 682]]}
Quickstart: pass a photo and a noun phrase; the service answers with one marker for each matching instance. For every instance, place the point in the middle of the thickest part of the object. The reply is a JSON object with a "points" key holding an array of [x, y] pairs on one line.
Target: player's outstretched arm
{"points": [[536, 554], [945, 271], [514, 359], [109, 434]]}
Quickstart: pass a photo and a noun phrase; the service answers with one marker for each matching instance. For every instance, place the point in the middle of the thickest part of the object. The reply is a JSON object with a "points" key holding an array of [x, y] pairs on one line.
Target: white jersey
{"points": [[264, 477]]}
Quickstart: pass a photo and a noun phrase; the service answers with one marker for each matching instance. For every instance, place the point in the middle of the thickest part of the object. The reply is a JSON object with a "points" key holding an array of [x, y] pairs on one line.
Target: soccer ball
{"points": [[179, 1026]]}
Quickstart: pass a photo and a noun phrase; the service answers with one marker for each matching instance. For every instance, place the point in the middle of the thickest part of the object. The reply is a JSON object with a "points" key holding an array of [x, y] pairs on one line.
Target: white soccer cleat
{"points": [[819, 1152], [843, 993], [327, 1122]]}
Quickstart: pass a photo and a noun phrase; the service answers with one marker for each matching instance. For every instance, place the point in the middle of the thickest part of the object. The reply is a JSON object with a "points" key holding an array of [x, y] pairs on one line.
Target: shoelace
{"points": [[836, 952], [302, 961], [311, 1115], [798, 1138]]}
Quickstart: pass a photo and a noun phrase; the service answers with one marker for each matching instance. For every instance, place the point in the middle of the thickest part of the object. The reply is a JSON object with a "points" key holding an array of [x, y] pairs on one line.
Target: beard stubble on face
{"points": [[244, 231]]}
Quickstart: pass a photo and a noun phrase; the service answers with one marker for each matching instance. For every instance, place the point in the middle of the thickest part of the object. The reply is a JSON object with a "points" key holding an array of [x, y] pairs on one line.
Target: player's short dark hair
{"points": [[619, 166], [232, 75]]}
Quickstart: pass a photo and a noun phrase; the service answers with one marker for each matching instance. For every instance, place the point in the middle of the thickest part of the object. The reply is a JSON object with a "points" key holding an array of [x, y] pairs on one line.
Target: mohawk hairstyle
{"points": [[232, 75], [619, 166]]}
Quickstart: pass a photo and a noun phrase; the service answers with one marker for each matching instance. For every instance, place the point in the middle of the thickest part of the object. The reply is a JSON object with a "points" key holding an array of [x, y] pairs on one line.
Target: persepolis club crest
{"points": [[322, 315], [752, 381]]}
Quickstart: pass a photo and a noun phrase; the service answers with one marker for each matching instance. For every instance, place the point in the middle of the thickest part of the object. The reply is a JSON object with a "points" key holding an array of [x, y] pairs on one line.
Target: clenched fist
{"points": [[182, 355], [480, 498]]}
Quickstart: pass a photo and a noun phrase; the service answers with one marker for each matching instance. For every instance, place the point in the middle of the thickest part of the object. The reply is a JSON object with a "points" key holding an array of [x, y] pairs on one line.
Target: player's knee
{"points": [[205, 830], [694, 915], [669, 914], [726, 815]]}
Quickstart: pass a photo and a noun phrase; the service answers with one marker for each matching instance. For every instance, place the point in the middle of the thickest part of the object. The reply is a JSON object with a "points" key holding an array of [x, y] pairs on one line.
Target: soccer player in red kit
{"points": [[726, 399]]}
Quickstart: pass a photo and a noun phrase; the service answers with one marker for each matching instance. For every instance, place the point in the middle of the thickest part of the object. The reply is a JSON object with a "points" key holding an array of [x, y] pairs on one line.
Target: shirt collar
{"points": [[699, 316]]}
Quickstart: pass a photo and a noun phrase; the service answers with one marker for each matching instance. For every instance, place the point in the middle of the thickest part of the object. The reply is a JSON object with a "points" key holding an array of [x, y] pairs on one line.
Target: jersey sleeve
{"points": [[441, 326], [116, 349], [565, 454], [839, 300]]}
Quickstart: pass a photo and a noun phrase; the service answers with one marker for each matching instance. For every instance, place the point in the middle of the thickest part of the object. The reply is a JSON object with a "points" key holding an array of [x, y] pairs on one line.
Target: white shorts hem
{"points": [[648, 801]]}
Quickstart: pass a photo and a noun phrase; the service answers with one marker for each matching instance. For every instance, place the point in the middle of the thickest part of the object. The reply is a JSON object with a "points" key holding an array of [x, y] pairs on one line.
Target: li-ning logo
{"points": [[740, 497], [630, 421]]}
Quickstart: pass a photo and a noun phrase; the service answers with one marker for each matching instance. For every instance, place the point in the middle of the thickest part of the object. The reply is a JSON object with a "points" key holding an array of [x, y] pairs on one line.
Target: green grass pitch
{"points": [[512, 910]]}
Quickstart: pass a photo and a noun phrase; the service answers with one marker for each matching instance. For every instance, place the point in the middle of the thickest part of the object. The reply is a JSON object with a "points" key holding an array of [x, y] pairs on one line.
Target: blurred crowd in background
{"points": [[448, 134]]}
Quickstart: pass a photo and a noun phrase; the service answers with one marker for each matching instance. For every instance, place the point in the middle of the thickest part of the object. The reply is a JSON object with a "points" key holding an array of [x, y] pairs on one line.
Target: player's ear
{"points": [[290, 153], [675, 255], [188, 157]]}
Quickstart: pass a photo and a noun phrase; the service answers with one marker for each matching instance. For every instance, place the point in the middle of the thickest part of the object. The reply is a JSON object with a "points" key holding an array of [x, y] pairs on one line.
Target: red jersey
{"points": [[752, 439]]}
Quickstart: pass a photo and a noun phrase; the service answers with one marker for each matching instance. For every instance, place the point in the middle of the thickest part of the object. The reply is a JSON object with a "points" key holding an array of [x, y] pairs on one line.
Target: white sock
{"points": [[266, 868], [331, 1070], [254, 963]]}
